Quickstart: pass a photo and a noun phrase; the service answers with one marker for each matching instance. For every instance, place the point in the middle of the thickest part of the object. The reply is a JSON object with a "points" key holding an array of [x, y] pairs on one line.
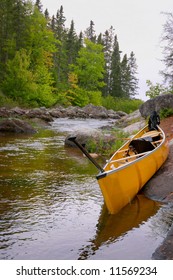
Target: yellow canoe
{"points": [[131, 167]]}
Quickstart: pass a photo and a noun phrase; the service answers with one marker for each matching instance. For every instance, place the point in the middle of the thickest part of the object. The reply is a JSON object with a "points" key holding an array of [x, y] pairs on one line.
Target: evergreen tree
{"points": [[46, 14], [60, 56], [133, 82], [53, 24], [115, 76], [72, 44], [100, 39], [21, 23], [125, 77], [80, 41], [108, 49], [6, 30], [39, 5], [60, 24], [90, 32]]}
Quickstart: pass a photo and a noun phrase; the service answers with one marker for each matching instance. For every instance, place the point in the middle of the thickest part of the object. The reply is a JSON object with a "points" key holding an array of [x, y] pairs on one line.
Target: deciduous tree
{"points": [[90, 66]]}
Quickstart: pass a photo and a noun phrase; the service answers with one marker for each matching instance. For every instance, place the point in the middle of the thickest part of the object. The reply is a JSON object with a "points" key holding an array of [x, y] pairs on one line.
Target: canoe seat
{"points": [[141, 146], [154, 135]]}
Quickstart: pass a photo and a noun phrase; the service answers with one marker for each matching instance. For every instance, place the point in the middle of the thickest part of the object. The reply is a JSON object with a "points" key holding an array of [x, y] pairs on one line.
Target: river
{"points": [[51, 206]]}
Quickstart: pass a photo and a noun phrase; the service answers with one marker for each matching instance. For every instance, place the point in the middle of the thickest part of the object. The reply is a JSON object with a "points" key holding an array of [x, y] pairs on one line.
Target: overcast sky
{"points": [[137, 23]]}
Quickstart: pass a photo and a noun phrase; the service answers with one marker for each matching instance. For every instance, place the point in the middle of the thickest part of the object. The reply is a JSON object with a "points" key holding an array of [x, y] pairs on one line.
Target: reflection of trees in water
{"points": [[163, 220]]}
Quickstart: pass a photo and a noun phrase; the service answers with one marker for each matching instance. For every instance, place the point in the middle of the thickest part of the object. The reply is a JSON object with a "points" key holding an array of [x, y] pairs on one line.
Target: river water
{"points": [[51, 206]]}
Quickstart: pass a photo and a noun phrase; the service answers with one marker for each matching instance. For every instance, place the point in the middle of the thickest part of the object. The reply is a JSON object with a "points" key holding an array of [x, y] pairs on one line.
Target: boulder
{"points": [[18, 111], [4, 112], [16, 126], [94, 140], [41, 113], [83, 136], [156, 104], [100, 112], [95, 111], [156, 189], [58, 112], [134, 127]]}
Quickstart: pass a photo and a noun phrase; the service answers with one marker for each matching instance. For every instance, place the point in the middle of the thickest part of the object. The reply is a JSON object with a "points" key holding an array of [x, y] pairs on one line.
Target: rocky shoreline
{"points": [[89, 111], [160, 188], [18, 120]]}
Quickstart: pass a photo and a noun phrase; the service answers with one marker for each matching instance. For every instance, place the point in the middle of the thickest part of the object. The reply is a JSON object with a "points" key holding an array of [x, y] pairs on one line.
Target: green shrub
{"points": [[6, 101], [121, 104], [104, 146], [166, 112]]}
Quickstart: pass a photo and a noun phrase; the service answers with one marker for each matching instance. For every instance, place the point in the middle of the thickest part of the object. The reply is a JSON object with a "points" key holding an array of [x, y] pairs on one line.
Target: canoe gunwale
{"points": [[140, 158]]}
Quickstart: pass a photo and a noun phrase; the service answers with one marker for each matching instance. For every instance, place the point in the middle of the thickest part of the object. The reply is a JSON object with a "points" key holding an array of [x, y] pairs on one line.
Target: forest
{"points": [[44, 63]]}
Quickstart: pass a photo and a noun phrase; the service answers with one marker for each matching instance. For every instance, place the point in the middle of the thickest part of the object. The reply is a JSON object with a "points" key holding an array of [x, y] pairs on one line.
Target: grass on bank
{"points": [[109, 102], [106, 146]]}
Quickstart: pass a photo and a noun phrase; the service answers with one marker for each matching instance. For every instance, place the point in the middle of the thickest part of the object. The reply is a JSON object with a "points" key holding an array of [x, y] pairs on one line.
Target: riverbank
{"points": [[48, 114], [160, 188]]}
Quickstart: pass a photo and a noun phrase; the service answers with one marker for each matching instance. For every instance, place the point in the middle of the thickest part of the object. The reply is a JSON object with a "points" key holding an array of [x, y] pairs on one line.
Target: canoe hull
{"points": [[120, 186]]}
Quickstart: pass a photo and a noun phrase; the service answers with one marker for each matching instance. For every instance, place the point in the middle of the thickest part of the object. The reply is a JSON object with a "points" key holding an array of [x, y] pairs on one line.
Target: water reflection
{"points": [[162, 222], [110, 227]]}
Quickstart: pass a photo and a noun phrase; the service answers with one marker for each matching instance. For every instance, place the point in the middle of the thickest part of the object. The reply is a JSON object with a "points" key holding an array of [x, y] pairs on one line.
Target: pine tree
{"points": [[39, 5], [100, 39], [53, 24], [71, 44], [115, 76], [133, 83], [21, 24], [80, 41], [90, 32], [125, 77], [5, 28], [60, 57], [108, 49], [46, 14], [60, 24]]}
